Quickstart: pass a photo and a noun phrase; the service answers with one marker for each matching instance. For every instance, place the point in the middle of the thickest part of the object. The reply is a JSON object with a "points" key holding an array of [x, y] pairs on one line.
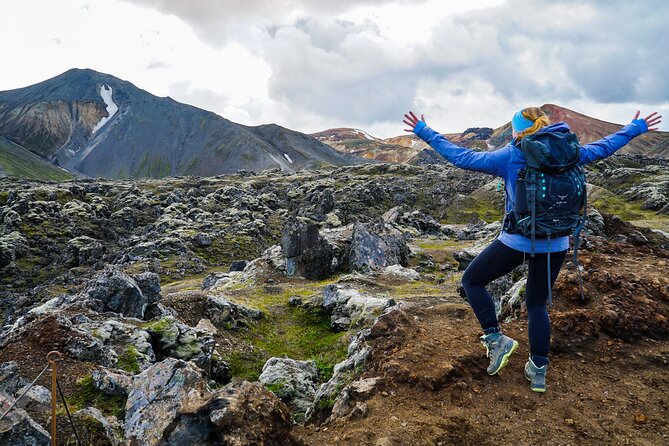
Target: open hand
{"points": [[411, 120], [652, 121]]}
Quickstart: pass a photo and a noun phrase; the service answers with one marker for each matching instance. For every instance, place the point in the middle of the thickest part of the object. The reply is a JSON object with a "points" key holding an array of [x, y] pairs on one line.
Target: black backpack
{"points": [[551, 195]]}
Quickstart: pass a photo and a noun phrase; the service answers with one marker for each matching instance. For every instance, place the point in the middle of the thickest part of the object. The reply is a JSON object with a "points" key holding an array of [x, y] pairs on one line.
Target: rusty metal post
{"points": [[52, 357]]}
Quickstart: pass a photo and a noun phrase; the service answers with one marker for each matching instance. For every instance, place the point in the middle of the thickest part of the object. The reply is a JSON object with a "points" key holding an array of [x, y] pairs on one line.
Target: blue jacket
{"points": [[506, 162]]}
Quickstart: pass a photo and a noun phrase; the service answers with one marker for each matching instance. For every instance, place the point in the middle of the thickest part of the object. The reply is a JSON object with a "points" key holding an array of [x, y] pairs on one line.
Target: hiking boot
{"points": [[536, 376], [498, 348]]}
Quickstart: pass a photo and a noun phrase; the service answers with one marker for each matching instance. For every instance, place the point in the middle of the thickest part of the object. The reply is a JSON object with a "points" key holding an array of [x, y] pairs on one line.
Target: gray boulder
{"points": [[308, 254], [157, 395], [18, 429], [349, 306], [466, 256], [149, 284], [293, 381], [170, 403], [374, 250], [94, 428], [226, 314], [119, 293], [37, 399], [110, 383]]}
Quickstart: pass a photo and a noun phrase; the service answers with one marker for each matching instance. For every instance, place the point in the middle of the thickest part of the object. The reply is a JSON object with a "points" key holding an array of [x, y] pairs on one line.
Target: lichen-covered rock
{"points": [[226, 314], [352, 396], [291, 380], [11, 246], [172, 338], [18, 429], [510, 302], [400, 272], [232, 280], [83, 250]]}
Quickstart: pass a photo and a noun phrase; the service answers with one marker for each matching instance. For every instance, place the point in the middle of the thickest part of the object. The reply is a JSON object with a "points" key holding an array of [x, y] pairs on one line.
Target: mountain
{"points": [[356, 142], [398, 149], [100, 126]]}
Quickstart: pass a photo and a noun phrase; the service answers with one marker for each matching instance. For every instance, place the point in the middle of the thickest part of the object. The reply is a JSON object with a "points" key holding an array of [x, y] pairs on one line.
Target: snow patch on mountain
{"points": [[365, 134], [288, 158], [106, 93]]}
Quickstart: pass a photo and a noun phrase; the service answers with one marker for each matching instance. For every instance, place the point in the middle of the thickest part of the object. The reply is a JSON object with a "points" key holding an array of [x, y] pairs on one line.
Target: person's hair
{"points": [[536, 115]]}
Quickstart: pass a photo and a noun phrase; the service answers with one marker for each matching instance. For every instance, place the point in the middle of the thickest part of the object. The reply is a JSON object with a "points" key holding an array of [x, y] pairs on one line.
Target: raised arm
{"points": [[492, 163], [608, 145]]}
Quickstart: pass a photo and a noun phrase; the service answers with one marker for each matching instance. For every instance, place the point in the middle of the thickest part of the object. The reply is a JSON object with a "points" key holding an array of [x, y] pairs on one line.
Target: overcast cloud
{"points": [[312, 65]]}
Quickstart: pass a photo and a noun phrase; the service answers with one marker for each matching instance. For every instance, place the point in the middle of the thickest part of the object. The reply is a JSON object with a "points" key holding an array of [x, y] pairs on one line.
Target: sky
{"points": [[314, 65]]}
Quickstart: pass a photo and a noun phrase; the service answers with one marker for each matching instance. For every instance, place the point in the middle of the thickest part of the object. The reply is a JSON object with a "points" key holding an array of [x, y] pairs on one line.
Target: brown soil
{"points": [[607, 378]]}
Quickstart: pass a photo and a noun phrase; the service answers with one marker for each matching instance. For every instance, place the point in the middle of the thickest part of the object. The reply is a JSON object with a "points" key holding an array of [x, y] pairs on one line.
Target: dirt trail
{"points": [[607, 378], [435, 391]]}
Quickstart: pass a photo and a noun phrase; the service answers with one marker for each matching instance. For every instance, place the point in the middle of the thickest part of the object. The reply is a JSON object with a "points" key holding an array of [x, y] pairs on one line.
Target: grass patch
{"points": [[87, 395], [19, 162]]}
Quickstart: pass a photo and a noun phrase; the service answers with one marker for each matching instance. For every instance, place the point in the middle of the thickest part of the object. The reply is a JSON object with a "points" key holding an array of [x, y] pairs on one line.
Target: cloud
{"points": [[218, 22], [155, 64], [305, 64]]}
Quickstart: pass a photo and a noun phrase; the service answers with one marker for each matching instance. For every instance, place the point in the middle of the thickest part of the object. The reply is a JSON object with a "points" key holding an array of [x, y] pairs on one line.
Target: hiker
{"points": [[511, 247]]}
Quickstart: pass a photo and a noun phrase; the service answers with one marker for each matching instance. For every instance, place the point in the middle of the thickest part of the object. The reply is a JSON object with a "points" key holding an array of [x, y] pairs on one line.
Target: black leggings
{"points": [[497, 260]]}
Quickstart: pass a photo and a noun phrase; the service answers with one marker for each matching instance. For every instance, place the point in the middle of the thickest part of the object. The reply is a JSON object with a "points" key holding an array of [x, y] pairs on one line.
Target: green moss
{"points": [[128, 360], [483, 207], [4, 197], [86, 395], [326, 403], [227, 248], [614, 204], [276, 388], [298, 333], [160, 326]]}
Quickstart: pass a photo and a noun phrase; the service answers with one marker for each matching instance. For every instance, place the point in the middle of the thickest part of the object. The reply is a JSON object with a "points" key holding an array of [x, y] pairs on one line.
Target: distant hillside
{"points": [[15, 161], [101, 126], [360, 143]]}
